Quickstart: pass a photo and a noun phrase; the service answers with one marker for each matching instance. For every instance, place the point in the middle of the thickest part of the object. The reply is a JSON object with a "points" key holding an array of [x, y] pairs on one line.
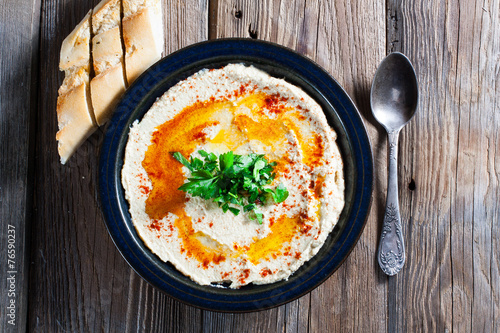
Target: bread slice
{"points": [[74, 109], [142, 35], [108, 85]]}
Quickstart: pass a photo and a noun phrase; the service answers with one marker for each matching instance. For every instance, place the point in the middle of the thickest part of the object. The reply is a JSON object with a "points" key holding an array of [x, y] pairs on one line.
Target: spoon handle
{"points": [[391, 251]]}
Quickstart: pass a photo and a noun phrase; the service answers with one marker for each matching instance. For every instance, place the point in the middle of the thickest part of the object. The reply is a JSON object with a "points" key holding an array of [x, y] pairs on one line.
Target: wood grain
{"points": [[474, 213], [18, 77], [448, 151], [449, 174]]}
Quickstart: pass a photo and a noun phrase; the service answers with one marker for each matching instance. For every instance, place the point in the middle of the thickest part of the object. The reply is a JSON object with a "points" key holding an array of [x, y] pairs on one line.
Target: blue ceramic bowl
{"points": [[280, 62]]}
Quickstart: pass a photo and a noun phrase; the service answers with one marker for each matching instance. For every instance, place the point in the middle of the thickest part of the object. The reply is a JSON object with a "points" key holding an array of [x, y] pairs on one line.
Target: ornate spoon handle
{"points": [[391, 251]]}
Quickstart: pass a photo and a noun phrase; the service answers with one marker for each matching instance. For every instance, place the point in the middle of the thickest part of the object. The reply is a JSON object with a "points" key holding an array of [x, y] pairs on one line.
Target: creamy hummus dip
{"points": [[244, 110]]}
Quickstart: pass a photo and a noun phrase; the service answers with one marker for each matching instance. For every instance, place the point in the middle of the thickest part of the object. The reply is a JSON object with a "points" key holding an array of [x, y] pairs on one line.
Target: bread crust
{"points": [[74, 109], [109, 83], [75, 122], [75, 47], [106, 90], [142, 36], [106, 16]]}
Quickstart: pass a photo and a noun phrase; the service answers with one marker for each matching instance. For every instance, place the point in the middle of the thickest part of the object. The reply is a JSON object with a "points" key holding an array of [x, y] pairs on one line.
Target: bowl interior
{"points": [[334, 102]]}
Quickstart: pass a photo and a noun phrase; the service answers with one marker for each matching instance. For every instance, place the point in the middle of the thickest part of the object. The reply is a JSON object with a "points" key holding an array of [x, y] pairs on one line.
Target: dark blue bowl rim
{"points": [[115, 209]]}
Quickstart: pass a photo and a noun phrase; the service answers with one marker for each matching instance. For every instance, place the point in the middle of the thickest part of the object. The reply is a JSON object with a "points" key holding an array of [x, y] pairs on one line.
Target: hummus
{"points": [[244, 110]]}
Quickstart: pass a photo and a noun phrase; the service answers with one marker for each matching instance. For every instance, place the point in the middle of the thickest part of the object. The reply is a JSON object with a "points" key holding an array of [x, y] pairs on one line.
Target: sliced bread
{"points": [[74, 108], [142, 35], [108, 85]]}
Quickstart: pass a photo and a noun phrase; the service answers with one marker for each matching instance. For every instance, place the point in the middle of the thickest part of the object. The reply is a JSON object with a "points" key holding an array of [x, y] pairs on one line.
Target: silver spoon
{"points": [[393, 99]]}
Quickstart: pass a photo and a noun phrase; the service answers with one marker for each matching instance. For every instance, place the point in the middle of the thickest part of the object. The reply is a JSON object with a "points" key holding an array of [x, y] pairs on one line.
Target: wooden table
{"points": [[68, 275]]}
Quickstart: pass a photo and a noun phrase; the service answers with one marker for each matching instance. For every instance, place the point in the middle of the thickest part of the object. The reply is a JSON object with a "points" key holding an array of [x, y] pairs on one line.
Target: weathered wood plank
{"points": [[70, 288], [351, 43], [79, 281], [429, 239], [19, 30], [186, 22], [449, 279], [426, 173], [477, 105]]}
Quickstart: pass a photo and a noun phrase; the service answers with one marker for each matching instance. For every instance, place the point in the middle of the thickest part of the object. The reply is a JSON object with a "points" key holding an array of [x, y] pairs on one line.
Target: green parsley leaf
{"points": [[196, 186], [281, 193], [226, 160], [232, 180], [178, 156], [249, 207], [259, 165], [196, 163], [258, 215], [201, 174]]}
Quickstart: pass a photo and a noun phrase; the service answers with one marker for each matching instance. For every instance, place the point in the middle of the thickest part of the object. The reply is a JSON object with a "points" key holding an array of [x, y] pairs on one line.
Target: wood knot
{"points": [[252, 33]]}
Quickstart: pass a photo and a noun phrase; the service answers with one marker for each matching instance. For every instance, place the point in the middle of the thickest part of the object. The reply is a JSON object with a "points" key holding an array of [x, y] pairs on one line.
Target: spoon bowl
{"points": [[394, 92], [393, 99]]}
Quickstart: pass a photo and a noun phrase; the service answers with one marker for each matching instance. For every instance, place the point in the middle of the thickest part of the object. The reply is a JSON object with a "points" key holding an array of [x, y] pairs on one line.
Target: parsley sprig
{"points": [[232, 179]]}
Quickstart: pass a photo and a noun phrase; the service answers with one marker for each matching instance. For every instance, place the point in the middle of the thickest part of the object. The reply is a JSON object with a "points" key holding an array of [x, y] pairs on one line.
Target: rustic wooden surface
{"points": [[449, 172], [18, 100]]}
